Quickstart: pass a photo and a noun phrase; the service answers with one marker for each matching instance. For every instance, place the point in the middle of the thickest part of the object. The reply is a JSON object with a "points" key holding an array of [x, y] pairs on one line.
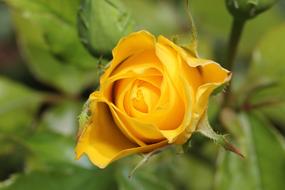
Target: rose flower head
{"points": [[153, 93]]}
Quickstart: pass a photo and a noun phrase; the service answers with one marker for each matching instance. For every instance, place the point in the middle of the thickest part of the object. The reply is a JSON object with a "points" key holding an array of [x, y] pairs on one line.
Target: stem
{"points": [[236, 31], [235, 35], [248, 106]]}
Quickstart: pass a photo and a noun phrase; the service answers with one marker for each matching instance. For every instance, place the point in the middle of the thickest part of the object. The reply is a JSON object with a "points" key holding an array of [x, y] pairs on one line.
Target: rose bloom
{"points": [[153, 94]]}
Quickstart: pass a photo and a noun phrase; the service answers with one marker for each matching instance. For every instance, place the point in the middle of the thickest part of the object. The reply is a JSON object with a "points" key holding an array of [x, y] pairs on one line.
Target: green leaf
{"points": [[98, 32], [193, 173], [48, 37], [18, 107], [145, 178], [5, 20], [47, 147], [167, 171], [145, 158], [264, 165], [268, 60], [62, 118], [165, 15], [12, 156], [143, 181], [268, 65], [64, 178], [276, 114]]}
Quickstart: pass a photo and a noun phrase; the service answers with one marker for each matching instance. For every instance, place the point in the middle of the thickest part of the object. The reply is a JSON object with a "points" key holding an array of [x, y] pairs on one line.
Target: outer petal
{"points": [[138, 63], [103, 142], [127, 47], [207, 71], [213, 76], [203, 76]]}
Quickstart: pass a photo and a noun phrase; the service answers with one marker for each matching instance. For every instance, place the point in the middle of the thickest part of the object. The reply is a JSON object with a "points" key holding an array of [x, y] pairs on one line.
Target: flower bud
{"points": [[101, 24], [247, 9]]}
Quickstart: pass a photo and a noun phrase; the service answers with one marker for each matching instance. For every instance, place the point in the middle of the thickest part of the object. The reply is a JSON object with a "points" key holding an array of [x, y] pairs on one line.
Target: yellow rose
{"points": [[152, 94]]}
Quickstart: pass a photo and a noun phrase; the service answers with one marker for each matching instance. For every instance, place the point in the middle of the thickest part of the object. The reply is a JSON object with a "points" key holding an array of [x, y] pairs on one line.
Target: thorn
{"points": [[230, 147]]}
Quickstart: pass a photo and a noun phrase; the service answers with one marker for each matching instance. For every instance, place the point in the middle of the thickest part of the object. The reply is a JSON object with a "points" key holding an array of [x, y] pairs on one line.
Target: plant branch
{"points": [[268, 103]]}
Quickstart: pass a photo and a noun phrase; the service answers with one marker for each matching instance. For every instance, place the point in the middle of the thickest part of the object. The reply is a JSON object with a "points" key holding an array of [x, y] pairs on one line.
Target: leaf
{"points": [[145, 158], [65, 178], [193, 173], [19, 104], [12, 156], [268, 64], [5, 21], [143, 179], [167, 171], [98, 32], [264, 165], [62, 118], [48, 37], [47, 147], [165, 16], [276, 114]]}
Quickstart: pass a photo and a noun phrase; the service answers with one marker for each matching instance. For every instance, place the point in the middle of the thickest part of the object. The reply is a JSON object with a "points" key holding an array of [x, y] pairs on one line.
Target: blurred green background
{"points": [[51, 54]]}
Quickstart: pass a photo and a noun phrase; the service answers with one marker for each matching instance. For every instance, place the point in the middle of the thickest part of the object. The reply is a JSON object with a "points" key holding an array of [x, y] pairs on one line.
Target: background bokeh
{"points": [[50, 63]]}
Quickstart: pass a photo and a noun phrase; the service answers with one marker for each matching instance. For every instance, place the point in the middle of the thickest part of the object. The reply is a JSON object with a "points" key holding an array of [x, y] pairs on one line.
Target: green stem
{"points": [[234, 39], [236, 32]]}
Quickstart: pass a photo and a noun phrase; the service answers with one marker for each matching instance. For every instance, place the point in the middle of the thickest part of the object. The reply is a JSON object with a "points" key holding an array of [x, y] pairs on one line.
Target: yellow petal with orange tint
{"points": [[103, 142], [178, 89], [213, 76], [126, 47]]}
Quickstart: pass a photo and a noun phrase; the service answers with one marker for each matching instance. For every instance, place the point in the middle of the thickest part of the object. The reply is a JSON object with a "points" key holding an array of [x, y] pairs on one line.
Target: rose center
{"points": [[144, 96]]}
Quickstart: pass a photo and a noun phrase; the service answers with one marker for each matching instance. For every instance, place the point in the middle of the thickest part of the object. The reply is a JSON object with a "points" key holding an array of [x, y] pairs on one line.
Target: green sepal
{"points": [[186, 146], [205, 129], [220, 89], [84, 118]]}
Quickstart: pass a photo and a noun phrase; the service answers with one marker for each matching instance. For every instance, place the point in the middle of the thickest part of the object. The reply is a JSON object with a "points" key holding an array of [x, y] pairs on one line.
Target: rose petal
{"points": [[213, 76], [180, 113], [203, 76], [126, 47], [136, 131], [103, 142]]}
